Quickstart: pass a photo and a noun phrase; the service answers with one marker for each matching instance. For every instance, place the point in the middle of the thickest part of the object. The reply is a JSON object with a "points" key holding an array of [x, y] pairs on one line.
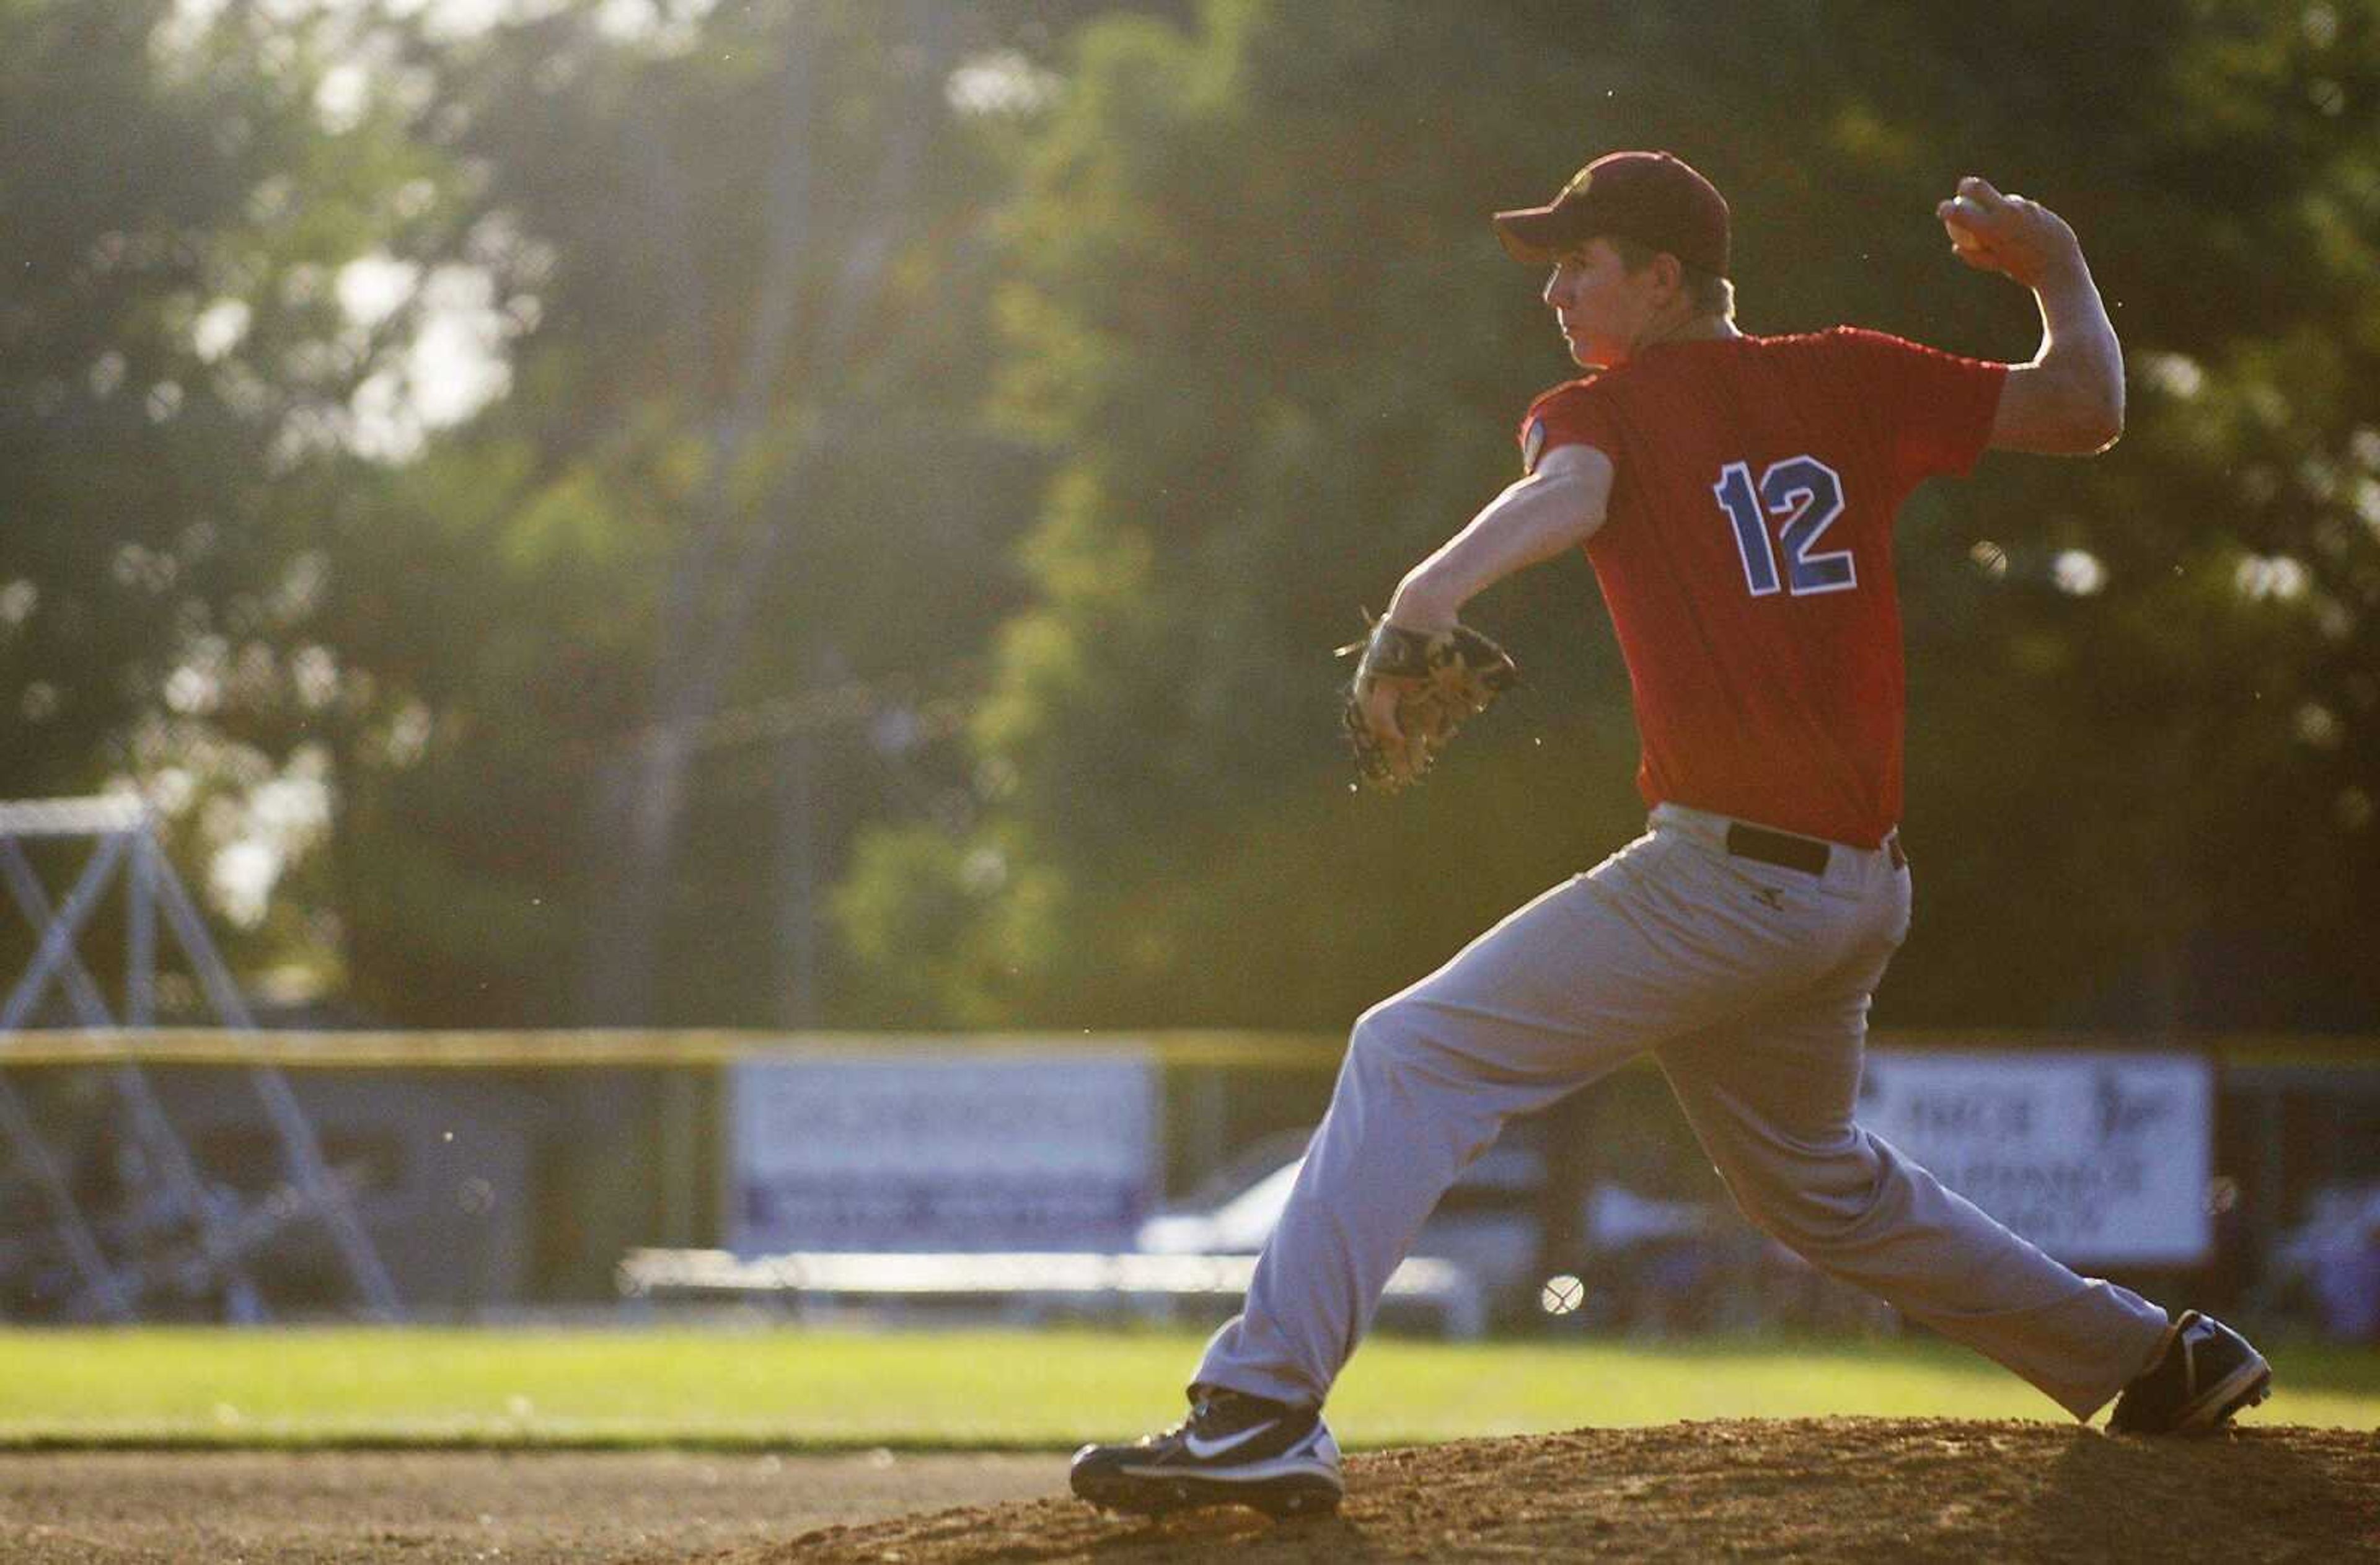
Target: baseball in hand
{"points": [[1966, 241]]}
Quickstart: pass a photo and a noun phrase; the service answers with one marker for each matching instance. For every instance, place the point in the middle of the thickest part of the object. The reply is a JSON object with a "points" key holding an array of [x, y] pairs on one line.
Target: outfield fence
{"points": [[499, 1171]]}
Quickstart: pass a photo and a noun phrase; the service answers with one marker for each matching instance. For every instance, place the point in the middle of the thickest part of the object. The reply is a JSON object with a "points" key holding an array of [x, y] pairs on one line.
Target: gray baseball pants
{"points": [[1750, 985]]}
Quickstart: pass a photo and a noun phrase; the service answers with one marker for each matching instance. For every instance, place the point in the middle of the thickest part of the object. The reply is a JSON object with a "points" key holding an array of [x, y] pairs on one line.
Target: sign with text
{"points": [[2099, 1158], [946, 1149]]}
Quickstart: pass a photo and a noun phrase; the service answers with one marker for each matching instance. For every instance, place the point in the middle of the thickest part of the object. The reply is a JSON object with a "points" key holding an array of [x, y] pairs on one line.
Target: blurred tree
{"points": [[1246, 313], [726, 543], [185, 194], [1098, 360], [2164, 726], [1259, 321], [738, 523]]}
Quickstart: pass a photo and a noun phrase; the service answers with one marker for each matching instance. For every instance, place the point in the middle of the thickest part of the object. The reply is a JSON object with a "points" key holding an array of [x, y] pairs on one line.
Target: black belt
{"points": [[1787, 851]]}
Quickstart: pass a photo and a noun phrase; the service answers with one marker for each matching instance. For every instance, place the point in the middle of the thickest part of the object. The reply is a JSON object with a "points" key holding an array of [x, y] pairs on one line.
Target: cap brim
{"points": [[1533, 236]]}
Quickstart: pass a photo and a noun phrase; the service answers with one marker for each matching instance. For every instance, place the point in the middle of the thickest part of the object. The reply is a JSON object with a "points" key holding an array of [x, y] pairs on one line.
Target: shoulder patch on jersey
{"points": [[1533, 445]]}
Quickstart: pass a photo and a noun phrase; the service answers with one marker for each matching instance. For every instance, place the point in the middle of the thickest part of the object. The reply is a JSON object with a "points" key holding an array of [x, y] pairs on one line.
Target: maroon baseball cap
{"points": [[1654, 199]]}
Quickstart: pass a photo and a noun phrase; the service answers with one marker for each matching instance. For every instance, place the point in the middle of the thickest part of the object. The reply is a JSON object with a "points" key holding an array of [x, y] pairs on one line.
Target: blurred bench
{"points": [[1126, 1283]]}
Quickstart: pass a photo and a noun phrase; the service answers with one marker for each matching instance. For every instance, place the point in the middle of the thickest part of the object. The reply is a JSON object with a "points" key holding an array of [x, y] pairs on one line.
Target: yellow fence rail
{"points": [[639, 1049]]}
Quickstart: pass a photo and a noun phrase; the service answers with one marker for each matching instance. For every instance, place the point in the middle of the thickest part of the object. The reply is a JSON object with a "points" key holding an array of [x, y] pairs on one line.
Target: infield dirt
{"points": [[1823, 1489], [1831, 1489], [376, 1508]]}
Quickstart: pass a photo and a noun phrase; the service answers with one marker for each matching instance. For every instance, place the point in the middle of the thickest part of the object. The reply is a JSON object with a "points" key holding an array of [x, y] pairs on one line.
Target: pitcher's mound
{"points": [[1818, 1489]]}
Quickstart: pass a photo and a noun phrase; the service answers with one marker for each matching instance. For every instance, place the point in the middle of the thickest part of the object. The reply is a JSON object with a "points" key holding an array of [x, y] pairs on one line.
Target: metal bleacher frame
{"points": [[181, 1233]]}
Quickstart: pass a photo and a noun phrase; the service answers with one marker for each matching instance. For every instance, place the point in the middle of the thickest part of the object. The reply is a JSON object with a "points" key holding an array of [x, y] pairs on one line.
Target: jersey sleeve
{"points": [[1573, 413], [1935, 408]]}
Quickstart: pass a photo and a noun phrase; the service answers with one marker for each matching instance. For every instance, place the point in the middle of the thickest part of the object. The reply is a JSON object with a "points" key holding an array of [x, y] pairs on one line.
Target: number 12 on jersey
{"points": [[1806, 496]]}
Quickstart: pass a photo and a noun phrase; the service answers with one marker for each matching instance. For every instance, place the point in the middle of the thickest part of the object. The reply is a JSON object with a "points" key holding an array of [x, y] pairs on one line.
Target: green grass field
{"points": [[791, 1388]]}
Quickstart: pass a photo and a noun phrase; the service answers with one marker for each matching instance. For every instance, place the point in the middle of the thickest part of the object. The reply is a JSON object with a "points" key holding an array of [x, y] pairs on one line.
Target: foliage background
{"points": [[923, 454]]}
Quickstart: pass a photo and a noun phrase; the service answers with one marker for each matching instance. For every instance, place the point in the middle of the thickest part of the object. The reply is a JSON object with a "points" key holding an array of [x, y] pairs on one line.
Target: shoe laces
{"points": [[1188, 1421], [1206, 1406], [1200, 1412]]}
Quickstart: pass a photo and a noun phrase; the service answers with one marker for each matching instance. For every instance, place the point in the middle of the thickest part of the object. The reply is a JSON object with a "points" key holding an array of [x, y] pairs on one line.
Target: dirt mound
{"points": [[1832, 1489]]}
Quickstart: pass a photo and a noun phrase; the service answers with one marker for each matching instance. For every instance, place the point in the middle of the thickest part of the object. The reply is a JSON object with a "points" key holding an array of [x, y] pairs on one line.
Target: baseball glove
{"points": [[1412, 690]]}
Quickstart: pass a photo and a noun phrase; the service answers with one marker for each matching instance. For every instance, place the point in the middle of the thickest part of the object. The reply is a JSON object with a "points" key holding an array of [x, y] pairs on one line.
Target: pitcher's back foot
{"points": [[2206, 1374]]}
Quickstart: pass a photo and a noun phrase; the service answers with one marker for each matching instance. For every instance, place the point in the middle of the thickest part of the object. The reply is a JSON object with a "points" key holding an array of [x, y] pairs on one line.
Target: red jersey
{"points": [[1746, 558]]}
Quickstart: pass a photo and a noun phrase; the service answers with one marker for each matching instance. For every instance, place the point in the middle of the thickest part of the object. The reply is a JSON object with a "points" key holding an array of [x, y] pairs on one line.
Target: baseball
{"points": [[1963, 238]]}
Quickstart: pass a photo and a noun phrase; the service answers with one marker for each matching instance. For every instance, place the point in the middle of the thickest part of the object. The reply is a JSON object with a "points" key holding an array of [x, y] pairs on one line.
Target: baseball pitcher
{"points": [[1735, 495]]}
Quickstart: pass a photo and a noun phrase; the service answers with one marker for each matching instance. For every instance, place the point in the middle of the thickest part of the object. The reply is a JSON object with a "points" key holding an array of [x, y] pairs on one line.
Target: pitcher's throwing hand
{"points": [[2009, 235]]}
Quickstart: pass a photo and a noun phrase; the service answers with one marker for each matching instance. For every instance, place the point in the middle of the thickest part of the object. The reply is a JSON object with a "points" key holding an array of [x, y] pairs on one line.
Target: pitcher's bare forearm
{"points": [[2069, 401], [1552, 511], [2080, 352]]}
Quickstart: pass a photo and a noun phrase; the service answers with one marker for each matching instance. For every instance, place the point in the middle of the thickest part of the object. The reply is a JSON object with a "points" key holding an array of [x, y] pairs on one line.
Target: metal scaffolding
{"points": [[177, 1231]]}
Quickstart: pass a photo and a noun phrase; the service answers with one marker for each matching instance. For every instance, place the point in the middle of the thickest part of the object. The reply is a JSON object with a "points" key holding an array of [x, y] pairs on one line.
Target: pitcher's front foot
{"points": [[1233, 1449]]}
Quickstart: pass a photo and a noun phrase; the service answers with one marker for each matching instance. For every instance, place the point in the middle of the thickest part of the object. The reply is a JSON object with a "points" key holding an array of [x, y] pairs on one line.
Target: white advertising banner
{"points": [[941, 1149], [2100, 1158]]}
